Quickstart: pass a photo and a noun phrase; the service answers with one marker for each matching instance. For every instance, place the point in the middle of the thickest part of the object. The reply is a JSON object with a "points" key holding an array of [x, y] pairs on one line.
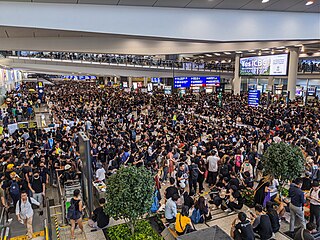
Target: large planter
{"points": [[143, 231]]}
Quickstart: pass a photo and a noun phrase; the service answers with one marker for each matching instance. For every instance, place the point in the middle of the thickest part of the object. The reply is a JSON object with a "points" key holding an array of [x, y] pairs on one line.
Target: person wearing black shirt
{"points": [[99, 219], [242, 230], [274, 217], [38, 188], [170, 191], [262, 224]]}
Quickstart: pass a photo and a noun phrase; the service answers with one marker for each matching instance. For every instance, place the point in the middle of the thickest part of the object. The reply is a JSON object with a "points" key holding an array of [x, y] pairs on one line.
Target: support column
{"points": [[293, 72], [145, 81], [130, 82], [236, 84], [270, 84]]}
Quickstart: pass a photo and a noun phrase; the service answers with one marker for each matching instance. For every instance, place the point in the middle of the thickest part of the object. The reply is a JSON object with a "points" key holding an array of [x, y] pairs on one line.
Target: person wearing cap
{"points": [[314, 196]]}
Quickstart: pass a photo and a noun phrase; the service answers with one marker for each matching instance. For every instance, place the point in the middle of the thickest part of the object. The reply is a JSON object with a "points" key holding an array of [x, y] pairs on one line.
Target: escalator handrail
{"points": [[61, 197], [2, 216]]}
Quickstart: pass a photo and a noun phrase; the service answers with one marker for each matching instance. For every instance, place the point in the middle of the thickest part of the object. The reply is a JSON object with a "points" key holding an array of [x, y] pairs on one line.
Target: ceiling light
{"points": [[282, 47], [302, 48], [208, 55], [252, 50], [272, 52], [227, 53], [287, 50], [265, 49], [265, 1], [217, 54], [259, 53], [239, 52], [309, 2]]}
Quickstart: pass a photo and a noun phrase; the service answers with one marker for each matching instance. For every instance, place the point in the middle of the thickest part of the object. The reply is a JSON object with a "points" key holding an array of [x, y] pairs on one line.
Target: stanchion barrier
{"points": [[57, 227]]}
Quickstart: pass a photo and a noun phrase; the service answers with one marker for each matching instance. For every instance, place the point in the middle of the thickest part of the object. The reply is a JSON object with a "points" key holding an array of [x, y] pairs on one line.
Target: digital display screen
{"points": [[271, 65], [254, 98], [186, 82]]}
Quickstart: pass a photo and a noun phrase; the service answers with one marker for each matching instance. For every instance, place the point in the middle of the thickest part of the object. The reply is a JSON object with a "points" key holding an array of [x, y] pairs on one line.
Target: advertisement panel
{"points": [[271, 65]]}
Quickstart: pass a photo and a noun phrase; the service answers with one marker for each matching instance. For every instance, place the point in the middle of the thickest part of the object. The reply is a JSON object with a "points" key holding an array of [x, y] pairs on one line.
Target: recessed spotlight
{"points": [[309, 2], [265, 1]]}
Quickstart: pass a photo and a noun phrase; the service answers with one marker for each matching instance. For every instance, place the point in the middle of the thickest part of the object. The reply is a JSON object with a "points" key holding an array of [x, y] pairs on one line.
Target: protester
{"points": [[75, 212], [24, 212], [171, 209], [183, 222], [99, 219], [241, 228]]}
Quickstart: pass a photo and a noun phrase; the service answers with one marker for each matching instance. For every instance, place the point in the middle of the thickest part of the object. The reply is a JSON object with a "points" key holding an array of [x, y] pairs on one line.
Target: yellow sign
{"points": [[33, 125], [35, 235], [23, 125]]}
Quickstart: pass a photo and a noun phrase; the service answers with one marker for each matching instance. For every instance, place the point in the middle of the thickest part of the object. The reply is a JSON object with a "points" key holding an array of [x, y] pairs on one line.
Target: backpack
{"points": [[29, 200], [155, 205], [194, 171], [196, 216], [72, 212], [238, 161], [14, 188]]}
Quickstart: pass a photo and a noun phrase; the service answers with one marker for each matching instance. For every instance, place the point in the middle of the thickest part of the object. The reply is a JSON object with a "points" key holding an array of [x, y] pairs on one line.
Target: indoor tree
{"points": [[284, 162], [129, 194]]}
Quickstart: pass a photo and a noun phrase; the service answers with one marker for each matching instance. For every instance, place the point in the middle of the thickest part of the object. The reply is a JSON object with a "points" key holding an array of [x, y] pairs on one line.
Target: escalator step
{"points": [[35, 235]]}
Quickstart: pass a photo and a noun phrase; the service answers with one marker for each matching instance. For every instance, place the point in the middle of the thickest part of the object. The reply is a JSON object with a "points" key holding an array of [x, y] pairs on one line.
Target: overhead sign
{"points": [[254, 98], [167, 90], [271, 65], [186, 82], [156, 80]]}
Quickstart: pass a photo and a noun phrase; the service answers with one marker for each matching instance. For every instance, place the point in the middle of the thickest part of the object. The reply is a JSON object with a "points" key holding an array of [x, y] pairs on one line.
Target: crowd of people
{"points": [[309, 66], [187, 64], [208, 154]]}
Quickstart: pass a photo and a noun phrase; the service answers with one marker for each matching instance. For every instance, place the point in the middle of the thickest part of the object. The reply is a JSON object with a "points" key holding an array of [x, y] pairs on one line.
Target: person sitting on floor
{"points": [[241, 228], [183, 222]]}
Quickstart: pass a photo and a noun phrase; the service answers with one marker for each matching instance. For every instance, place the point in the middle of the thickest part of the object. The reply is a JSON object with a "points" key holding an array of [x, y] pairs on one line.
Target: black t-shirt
{"points": [[274, 219], [262, 225], [36, 185], [101, 217], [170, 191], [246, 230]]}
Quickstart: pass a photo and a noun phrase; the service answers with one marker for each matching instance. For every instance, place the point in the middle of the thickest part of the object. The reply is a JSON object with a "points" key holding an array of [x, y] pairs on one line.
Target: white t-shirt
{"points": [[101, 174], [213, 163]]}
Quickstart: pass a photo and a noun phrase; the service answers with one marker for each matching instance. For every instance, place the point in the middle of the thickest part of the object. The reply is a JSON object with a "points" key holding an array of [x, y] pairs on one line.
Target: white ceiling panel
{"points": [[203, 3], [99, 2], [232, 4], [172, 3], [147, 3], [257, 5], [2, 33]]}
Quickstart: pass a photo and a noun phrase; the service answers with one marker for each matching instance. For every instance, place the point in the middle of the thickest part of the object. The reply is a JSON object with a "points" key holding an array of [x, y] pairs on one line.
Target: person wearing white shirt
{"points": [[212, 161], [100, 173], [24, 212]]}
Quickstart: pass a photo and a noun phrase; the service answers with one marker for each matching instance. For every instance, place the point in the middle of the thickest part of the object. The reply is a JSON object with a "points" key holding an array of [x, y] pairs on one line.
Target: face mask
{"points": [[36, 176]]}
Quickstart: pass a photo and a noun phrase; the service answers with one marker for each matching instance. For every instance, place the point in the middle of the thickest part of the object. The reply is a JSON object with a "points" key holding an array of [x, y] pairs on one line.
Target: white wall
{"points": [[200, 24]]}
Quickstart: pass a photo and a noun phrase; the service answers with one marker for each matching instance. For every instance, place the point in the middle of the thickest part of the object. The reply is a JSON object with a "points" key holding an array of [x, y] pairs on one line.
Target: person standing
{"points": [[212, 161], [38, 188], [24, 212], [315, 204], [296, 205], [171, 208], [75, 212]]}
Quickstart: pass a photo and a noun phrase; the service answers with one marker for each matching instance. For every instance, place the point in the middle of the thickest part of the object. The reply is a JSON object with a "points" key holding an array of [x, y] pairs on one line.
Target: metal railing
{"points": [[61, 198]]}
